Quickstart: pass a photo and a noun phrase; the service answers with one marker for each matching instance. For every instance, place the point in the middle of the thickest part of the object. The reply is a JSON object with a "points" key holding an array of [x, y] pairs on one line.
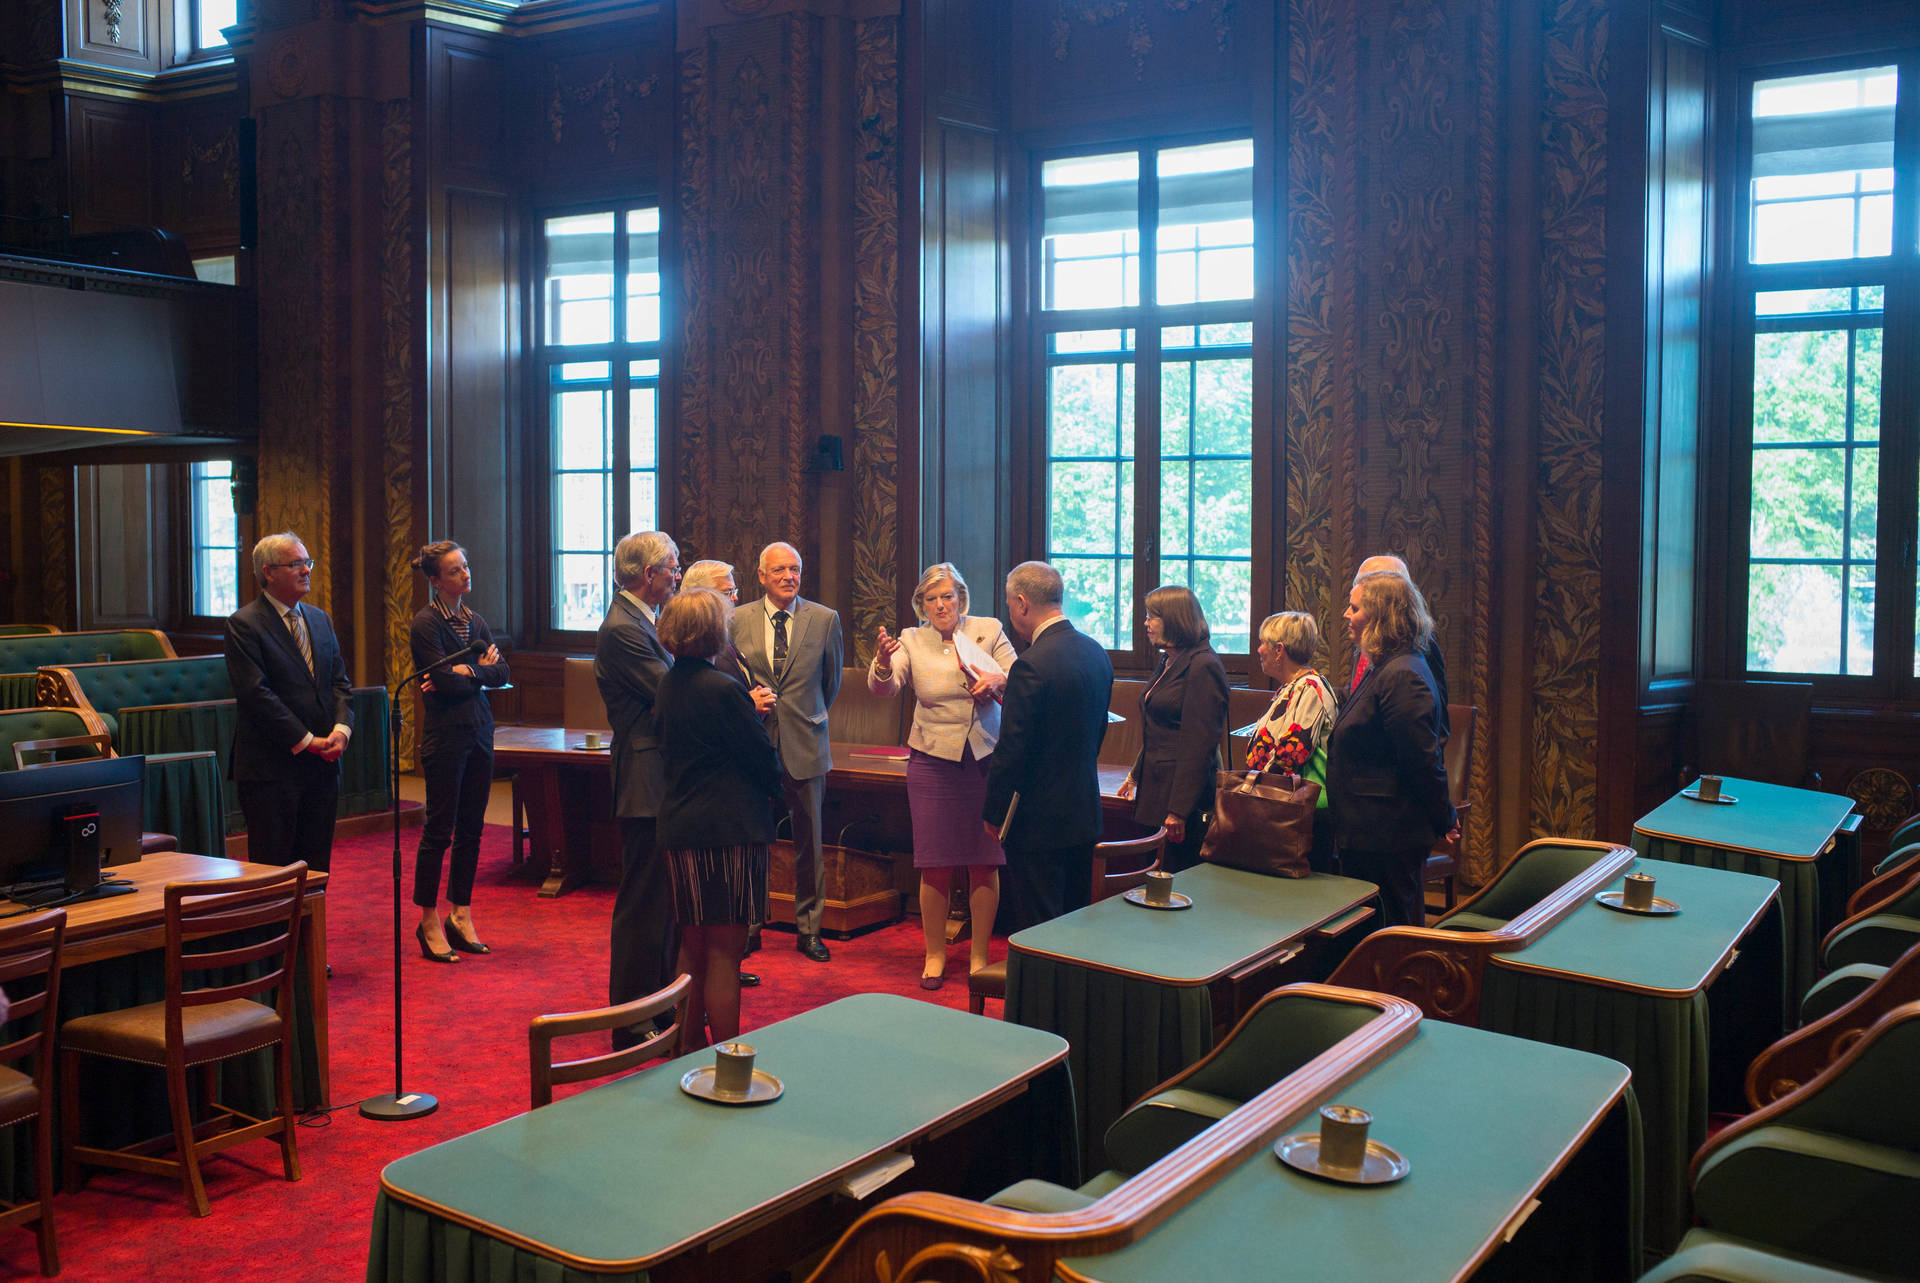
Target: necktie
{"points": [[779, 639], [299, 625], [1359, 671]]}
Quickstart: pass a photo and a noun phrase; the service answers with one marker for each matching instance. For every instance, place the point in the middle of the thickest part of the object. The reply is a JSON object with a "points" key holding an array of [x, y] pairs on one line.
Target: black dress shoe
{"points": [[812, 948], [461, 940], [426, 950], [749, 981]]}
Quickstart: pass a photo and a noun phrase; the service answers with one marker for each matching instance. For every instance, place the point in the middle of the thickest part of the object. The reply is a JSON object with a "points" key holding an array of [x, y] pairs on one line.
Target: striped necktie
{"points": [[298, 623], [779, 640]]}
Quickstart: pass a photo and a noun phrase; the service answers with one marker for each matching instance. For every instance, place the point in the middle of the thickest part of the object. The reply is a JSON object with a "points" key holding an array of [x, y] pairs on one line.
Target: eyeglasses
{"points": [[305, 563]]}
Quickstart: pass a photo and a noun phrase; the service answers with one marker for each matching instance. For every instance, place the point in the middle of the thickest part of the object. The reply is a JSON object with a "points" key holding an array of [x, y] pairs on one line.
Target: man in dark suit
{"points": [[794, 648], [1051, 725], [628, 662], [1436, 664], [295, 710]]}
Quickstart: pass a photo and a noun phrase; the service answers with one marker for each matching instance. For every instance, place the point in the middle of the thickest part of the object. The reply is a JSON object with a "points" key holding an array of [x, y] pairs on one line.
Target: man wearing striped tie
{"points": [[295, 710]]}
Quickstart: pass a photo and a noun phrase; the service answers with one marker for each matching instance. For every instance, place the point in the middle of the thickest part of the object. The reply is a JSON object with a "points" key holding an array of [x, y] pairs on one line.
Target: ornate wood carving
{"points": [[1094, 14], [396, 377], [1480, 860], [988, 1264], [604, 93], [217, 158], [1884, 796], [876, 328], [694, 426], [56, 544], [1572, 347]]}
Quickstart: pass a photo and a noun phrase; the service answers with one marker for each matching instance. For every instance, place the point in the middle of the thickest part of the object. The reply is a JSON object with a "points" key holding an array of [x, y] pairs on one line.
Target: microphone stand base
{"points": [[388, 1108]]}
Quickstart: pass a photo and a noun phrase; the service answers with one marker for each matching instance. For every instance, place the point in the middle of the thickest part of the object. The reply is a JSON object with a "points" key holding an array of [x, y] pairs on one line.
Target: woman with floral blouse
{"points": [[1292, 736]]}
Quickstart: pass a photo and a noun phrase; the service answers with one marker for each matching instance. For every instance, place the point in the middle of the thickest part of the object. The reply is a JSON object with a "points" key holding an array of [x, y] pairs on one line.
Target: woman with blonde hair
{"points": [[1292, 735], [1385, 775], [956, 667]]}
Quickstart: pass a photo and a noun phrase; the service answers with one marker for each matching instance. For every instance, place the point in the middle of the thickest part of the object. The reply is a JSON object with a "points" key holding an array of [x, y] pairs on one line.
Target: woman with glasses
{"points": [[456, 749], [956, 667], [1183, 714]]}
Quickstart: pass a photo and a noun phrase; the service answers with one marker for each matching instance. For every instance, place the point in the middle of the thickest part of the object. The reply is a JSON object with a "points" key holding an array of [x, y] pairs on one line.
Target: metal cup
{"points": [[1709, 788], [1159, 887], [593, 739], [1343, 1137], [733, 1068], [1639, 891]]}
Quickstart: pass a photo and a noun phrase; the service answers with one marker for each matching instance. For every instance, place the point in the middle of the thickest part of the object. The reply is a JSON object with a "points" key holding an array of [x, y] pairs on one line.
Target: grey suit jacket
{"points": [[628, 663], [805, 686]]}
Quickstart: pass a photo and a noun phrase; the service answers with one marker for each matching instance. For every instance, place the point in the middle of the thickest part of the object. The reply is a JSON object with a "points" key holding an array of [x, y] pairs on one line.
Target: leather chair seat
{"points": [[139, 1034], [19, 1098], [1463, 921], [1706, 1257]]}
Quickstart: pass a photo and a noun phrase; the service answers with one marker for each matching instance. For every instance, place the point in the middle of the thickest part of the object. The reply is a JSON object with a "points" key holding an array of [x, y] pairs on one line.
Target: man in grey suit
{"points": [[628, 662], [793, 647]]}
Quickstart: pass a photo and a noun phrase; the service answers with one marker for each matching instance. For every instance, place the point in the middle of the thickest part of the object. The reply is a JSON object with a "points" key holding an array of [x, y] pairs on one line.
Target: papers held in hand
{"points": [[1013, 804]]}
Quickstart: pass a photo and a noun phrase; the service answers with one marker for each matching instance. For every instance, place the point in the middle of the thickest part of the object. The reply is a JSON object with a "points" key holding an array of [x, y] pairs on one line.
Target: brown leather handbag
{"points": [[1262, 823]]}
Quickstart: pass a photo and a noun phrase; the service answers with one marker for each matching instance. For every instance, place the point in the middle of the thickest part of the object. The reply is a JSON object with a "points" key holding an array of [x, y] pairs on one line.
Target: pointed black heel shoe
{"points": [[426, 950], [461, 940]]}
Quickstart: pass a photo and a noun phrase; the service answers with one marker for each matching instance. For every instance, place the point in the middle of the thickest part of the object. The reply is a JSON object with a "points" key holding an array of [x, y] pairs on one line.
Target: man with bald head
{"points": [[1389, 564], [793, 648]]}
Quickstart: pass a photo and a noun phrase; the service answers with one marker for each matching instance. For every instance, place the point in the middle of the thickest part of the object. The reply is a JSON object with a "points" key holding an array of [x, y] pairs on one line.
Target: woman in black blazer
{"points": [[716, 821], [1385, 775], [1183, 715], [456, 749]]}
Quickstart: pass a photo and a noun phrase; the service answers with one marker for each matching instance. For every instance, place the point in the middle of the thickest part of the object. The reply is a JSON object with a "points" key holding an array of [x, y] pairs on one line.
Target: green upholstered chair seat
{"points": [[1898, 856], [1045, 1196], [1838, 988], [1879, 939], [1534, 875], [1161, 1124], [1707, 1257], [1462, 921], [27, 653]]}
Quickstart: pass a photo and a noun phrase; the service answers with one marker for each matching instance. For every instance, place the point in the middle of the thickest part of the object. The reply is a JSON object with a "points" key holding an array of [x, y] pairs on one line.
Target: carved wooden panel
{"points": [[474, 107], [108, 147], [400, 435], [876, 330], [1078, 61], [601, 110], [121, 32], [197, 171]]}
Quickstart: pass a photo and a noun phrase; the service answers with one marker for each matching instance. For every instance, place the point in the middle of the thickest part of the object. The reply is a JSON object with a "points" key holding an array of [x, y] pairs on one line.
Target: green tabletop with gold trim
{"points": [[1685, 1001], [621, 1180], [1127, 986], [1485, 1122], [1797, 837]]}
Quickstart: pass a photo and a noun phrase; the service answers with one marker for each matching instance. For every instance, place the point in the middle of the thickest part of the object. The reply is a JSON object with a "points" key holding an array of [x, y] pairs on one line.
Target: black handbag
{"points": [[1262, 823]]}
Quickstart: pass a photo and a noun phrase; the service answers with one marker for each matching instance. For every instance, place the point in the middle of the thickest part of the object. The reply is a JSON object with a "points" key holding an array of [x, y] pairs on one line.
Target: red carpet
{"points": [[466, 1044]]}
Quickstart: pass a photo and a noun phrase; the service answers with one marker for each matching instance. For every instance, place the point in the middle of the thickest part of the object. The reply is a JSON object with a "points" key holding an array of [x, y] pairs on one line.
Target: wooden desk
{"points": [[1798, 837], [1138, 993], [1638, 989], [638, 1180]]}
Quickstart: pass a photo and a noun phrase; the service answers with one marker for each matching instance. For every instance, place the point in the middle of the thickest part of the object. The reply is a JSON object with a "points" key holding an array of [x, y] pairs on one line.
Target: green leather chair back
{"points": [[1530, 878], [45, 650], [18, 724], [108, 688], [26, 630]]}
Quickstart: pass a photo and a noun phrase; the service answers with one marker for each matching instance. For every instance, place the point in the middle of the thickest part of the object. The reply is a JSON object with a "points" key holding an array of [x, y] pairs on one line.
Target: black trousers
{"points": [[292, 820], [1185, 853], [643, 938], [1397, 874], [459, 771], [1043, 884]]}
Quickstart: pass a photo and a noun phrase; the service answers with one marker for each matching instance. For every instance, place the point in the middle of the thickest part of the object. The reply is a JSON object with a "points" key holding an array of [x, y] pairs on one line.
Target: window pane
{"points": [[1866, 385], [1799, 502], [643, 500], [580, 590], [1822, 166], [579, 284], [214, 16], [1793, 619], [581, 512], [580, 430], [216, 539], [1800, 386], [1099, 598], [1090, 231], [643, 275], [1085, 509], [643, 433], [1205, 240]]}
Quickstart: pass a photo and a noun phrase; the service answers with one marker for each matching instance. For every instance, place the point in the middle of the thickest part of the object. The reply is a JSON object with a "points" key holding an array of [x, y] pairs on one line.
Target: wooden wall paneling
{"points": [[480, 492], [116, 33], [1093, 63], [197, 171], [126, 524], [109, 148], [598, 111]]}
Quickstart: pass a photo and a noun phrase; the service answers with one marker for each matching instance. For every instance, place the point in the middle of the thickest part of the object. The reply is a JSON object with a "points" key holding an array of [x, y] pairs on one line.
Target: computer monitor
{"points": [[64, 821]]}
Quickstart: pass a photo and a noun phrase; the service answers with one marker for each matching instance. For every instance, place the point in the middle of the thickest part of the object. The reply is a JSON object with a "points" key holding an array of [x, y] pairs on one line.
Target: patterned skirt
{"points": [[717, 885]]}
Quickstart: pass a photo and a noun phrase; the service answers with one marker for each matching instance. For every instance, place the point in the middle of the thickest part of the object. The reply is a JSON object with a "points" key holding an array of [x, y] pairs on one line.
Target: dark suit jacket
{"points": [[1051, 725], [457, 705], [721, 774], [1438, 665], [1386, 779], [1183, 714], [280, 702], [628, 663]]}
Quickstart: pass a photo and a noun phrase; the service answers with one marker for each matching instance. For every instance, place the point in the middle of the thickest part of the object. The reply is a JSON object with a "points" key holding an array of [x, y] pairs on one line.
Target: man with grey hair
{"points": [[295, 710], [1043, 784], [1388, 564], [628, 663], [794, 648]]}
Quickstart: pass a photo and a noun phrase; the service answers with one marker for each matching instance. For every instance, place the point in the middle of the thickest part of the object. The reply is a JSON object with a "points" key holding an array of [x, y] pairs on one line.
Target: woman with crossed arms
{"points": [[956, 667]]}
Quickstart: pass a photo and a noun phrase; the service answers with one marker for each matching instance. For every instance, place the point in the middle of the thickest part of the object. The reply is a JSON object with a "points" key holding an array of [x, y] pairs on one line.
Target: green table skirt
{"points": [[122, 1102], [409, 1244], [183, 797], [1813, 898], [1126, 1036], [17, 690]]}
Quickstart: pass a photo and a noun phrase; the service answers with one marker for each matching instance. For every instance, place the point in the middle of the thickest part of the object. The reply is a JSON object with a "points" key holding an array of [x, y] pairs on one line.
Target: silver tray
{"points": [[763, 1088], [1617, 901], [588, 748], [1381, 1166], [1693, 795], [1138, 895]]}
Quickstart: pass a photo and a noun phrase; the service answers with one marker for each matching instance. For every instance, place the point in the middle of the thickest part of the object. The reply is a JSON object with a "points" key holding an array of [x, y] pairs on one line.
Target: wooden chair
{"points": [[25, 750], [1443, 863], [1888, 874], [1805, 1053], [201, 1027], [581, 708], [991, 980], [30, 947], [546, 1073]]}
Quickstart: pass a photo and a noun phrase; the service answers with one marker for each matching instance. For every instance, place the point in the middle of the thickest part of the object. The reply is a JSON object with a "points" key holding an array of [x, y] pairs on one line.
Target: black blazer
{"points": [[457, 705], [1183, 714], [721, 773], [628, 663], [1051, 725], [280, 702], [1386, 780]]}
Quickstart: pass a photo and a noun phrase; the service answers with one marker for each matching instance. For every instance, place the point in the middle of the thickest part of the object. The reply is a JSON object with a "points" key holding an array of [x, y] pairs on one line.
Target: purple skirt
{"points": [[946, 799]]}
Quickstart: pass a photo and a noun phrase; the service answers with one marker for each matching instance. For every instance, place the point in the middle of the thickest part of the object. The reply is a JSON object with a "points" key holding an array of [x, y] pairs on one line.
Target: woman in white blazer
{"points": [[956, 667]]}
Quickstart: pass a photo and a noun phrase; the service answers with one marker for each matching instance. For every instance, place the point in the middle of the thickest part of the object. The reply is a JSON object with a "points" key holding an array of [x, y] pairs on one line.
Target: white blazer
{"points": [[945, 719]]}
